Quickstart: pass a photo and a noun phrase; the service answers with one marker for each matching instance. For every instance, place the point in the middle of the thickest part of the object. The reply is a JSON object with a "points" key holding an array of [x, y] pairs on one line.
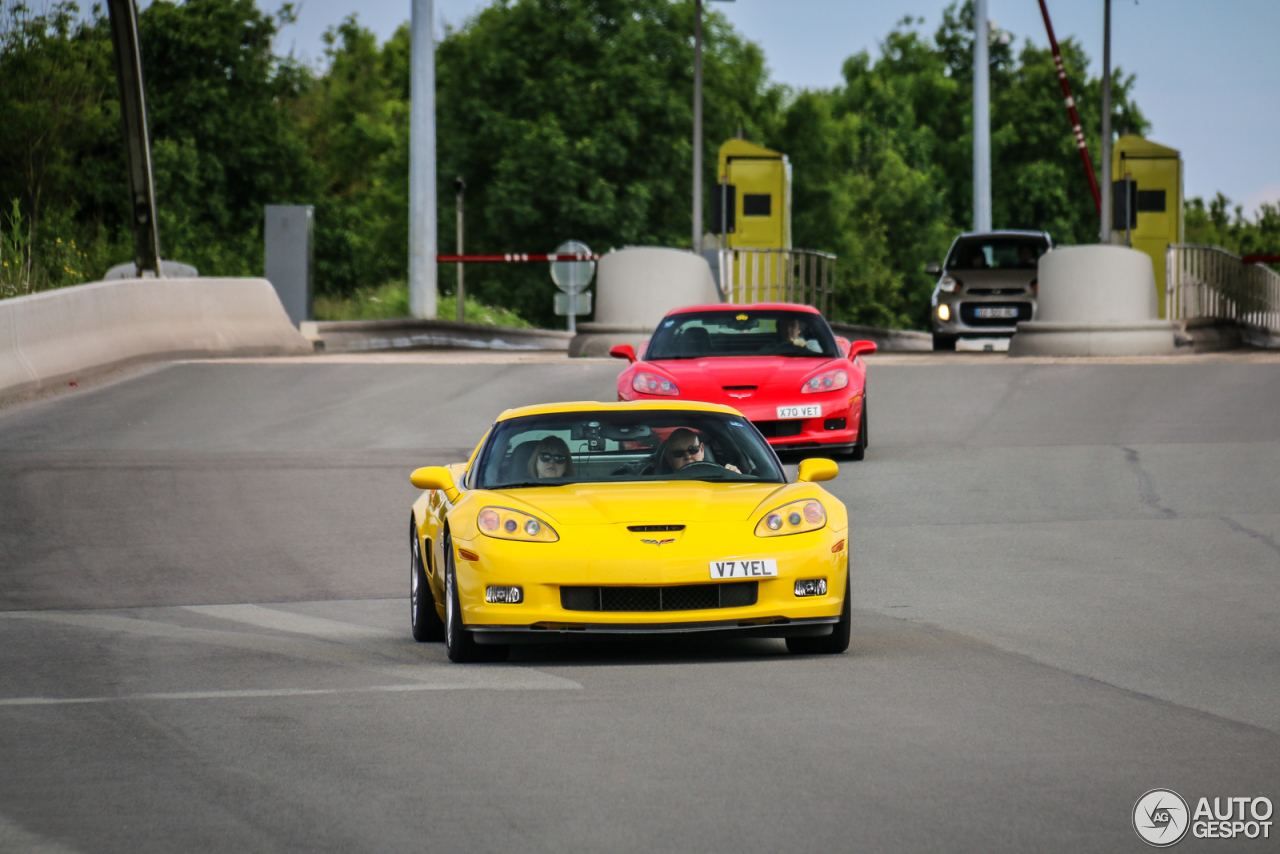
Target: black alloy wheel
{"points": [[423, 616], [942, 341], [460, 644], [832, 644], [859, 449]]}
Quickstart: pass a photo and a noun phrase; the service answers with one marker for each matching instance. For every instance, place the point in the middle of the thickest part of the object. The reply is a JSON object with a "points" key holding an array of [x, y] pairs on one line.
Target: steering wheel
{"points": [[701, 467]]}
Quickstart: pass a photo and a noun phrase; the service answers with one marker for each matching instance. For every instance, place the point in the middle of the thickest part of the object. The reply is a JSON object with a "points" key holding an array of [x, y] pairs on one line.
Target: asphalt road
{"points": [[1066, 581]]}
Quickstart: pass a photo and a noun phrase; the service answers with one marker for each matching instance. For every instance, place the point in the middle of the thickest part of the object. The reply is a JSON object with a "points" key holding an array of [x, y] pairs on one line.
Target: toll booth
{"points": [[751, 203], [1146, 201]]}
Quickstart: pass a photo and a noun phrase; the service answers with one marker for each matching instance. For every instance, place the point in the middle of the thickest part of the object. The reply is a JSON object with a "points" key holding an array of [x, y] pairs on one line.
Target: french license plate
{"points": [[1002, 311], [812, 411], [758, 568]]}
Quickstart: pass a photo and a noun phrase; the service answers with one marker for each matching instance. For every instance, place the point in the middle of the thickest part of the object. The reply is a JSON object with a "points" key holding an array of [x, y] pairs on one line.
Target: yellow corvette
{"points": [[573, 520]]}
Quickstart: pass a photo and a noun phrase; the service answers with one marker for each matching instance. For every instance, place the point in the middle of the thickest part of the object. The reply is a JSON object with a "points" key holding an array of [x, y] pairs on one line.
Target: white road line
{"points": [[378, 654], [489, 684], [288, 621], [16, 840]]}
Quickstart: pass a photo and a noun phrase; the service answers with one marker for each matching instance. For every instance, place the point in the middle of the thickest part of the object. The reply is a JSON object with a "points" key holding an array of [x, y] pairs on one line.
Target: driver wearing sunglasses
{"points": [[551, 459], [684, 447]]}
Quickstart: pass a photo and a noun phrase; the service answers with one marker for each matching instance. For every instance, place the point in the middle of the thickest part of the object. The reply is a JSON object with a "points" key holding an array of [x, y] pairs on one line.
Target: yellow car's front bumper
{"points": [[612, 558]]}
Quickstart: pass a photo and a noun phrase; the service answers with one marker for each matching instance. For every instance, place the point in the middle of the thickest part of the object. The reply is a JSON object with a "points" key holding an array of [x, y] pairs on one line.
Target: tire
{"points": [[942, 341], [460, 644], [423, 616], [859, 450], [833, 644]]}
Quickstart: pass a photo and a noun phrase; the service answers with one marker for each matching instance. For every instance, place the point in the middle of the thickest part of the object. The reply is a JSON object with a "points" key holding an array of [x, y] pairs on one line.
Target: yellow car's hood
{"points": [[648, 503]]}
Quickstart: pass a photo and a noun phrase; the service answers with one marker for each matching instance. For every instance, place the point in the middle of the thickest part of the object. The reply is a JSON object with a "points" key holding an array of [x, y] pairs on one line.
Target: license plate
{"points": [[813, 411], [996, 311], [758, 568]]}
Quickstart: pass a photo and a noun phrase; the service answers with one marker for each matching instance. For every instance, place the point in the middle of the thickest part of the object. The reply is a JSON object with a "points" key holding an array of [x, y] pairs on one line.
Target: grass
{"points": [[391, 301]]}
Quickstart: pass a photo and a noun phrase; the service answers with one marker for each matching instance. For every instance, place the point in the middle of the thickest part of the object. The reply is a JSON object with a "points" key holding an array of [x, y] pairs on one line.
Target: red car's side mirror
{"points": [[623, 351], [857, 348]]}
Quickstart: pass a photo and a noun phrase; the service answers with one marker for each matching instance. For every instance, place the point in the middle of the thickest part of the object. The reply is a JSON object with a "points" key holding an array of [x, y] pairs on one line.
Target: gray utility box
{"points": [[290, 256]]}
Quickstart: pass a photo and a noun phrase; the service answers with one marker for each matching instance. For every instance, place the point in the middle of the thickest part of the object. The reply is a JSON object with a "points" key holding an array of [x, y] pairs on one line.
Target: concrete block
{"points": [[47, 337], [636, 286]]}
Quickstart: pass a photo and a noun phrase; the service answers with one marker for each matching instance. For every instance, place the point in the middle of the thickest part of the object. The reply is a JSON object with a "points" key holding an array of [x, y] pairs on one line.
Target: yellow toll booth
{"points": [[751, 203], [1146, 200]]}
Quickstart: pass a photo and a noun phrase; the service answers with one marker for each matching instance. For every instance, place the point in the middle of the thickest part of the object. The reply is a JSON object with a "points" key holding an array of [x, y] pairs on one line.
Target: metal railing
{"points": [[777, 275], [1208, 281]]}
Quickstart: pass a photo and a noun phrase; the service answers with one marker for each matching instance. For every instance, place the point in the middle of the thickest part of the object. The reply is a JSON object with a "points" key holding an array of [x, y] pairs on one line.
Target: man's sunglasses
{"points": [[548, 457], [691, 451]]}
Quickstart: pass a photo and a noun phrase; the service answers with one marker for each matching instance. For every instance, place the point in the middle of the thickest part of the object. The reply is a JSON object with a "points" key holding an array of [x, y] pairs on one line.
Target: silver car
{"points": [[987, 285]]}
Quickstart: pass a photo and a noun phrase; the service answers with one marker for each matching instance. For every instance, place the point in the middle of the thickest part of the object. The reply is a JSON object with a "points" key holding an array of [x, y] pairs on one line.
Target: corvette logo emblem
{"points": [[658, 542], [739, 394]]}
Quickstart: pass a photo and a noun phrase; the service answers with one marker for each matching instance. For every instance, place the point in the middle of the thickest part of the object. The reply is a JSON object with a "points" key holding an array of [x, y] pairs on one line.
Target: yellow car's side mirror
{"points": [[435, 477], [812, 471]]}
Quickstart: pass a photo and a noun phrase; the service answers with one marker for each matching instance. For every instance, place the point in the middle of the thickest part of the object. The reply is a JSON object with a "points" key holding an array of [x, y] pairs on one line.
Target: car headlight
{"points": [[944, 311], [825, 381], [503, 523], [794, 518], [653, 384], [948, 284]]}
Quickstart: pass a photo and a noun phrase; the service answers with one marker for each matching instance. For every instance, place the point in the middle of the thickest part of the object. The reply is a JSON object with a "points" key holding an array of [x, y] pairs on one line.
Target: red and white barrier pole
{"points": [[1071, 109], [512, 257]]}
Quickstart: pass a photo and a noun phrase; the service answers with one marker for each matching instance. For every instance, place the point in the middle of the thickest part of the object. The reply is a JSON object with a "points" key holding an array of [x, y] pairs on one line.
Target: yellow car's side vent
{"points": [[683, 597]]}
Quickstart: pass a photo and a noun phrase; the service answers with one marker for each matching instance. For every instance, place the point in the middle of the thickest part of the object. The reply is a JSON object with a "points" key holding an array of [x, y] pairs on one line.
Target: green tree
{"points": [[572, 118]]}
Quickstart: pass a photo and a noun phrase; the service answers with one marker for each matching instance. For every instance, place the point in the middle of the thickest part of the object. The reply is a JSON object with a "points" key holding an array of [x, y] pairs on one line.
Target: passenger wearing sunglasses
{"points": [[551, 459], [682, 448]]}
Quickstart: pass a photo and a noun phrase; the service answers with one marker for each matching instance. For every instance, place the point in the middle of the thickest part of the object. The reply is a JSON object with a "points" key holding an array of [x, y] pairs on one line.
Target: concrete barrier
{"points": [[49, 337], [353, 336], [1096, 301]]}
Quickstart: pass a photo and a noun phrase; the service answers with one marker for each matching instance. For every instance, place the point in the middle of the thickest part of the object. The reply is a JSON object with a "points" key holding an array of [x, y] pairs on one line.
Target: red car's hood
{"points": [[703, 376]]}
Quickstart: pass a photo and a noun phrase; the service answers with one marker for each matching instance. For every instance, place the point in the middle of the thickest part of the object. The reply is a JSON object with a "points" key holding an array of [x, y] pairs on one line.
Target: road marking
{"points": [[491, 684], [383, 653], [289, 621], [15, 839]]}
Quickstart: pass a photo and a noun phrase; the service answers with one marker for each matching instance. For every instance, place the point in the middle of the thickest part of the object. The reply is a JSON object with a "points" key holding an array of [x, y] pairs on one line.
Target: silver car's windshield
{"points": [[742, 332], [614, 446], [997, 253]]}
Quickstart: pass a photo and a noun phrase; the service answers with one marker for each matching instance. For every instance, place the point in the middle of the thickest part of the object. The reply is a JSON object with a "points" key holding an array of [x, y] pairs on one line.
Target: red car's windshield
{"points": [[742, 332]]}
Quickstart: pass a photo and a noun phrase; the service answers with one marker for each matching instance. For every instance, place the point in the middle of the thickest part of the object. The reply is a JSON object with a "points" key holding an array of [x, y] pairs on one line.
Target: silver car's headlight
{"points": [[948, 284]]}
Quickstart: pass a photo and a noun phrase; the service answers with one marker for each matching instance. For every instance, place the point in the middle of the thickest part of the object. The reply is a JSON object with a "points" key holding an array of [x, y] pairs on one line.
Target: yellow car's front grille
{"points": [[683, 597]]}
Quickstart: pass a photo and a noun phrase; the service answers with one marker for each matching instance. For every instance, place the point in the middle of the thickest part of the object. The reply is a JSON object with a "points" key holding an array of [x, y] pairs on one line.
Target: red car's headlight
{"points": [[654, 384], [825, 381]]}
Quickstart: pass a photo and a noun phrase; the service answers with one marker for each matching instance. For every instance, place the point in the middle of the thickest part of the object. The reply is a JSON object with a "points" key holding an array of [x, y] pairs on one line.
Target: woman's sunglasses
{"points": [[548, 457]]}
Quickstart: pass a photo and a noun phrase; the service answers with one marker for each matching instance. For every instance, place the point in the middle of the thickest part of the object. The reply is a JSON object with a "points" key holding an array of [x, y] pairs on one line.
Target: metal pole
{"points": [[1104, 232], [422, 164], [461, 187], [697, 125], [137, 145], [981, 120]]}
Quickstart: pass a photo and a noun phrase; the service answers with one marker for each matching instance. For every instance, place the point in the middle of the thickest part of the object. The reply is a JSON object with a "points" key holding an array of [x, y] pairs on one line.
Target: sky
{"points": [[1208, 73]]}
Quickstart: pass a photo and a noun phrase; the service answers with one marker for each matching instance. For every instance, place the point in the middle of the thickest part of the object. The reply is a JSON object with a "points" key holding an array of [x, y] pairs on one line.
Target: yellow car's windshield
{"points": [[607, 447]]}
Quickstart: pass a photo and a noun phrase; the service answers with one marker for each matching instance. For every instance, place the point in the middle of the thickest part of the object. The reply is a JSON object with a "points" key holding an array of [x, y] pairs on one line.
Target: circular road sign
{"points": [[572, 276]]}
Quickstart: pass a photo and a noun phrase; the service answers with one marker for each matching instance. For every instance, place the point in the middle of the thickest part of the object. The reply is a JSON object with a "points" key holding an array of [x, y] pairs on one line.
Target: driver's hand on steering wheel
{"points": [[731, 467]]}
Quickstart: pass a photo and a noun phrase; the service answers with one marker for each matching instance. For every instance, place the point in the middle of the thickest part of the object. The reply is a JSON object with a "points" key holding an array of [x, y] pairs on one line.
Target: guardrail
{"points": [[1210, 282], [777, 275]]}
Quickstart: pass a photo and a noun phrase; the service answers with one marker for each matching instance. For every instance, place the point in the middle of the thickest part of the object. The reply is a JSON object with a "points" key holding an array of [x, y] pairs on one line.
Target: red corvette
{"points": [[779, 364]]}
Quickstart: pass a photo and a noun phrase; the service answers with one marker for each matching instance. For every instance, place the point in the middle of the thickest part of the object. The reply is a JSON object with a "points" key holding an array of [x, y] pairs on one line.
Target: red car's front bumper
{"points": [[838, 424]]}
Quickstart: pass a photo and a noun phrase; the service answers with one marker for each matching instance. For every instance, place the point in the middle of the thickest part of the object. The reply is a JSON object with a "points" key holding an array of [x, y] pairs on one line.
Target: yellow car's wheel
{"points": [[832, 644], [459, 643], [422, 604]]}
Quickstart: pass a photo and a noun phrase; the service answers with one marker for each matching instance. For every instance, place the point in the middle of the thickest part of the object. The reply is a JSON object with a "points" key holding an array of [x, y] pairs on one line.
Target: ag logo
{"points": [[1160, 817]]}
